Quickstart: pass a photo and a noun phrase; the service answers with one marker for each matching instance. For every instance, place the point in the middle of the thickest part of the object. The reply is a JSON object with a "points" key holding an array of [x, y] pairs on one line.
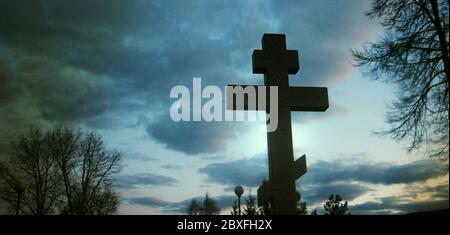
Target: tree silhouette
{"points": [[234, 208], [335, 206], [62, 170], [208, 207], [194, 208], [414, 56], [88, 173], [30, 181], [250, 207], [265, 209], [11, 189], [301, 206]]}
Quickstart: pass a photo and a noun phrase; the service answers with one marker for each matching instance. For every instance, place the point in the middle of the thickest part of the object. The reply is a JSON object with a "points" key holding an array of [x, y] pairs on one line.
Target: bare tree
{"points": [[93, 171], [30, 184], [63, 168], [64, 149], [11, 189], [414, 55]]}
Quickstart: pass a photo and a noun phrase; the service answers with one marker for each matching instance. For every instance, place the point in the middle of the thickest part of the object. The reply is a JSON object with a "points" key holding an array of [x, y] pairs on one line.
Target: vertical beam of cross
{"points": [[276, 63]]}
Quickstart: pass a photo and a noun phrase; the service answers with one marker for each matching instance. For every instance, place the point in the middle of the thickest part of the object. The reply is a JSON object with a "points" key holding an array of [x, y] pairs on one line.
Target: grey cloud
{"points": [[319, 193], [407, 202], [376, 173], [179, 207], [193, 137], [43, 92], [145, 48], [440, 191], [251, 171], [247, 172], [41, 82], [396, 205], [385, 205], [324, 178], [144, 180], [147, 201], [132, 53], [324, 36], [63, 93], [322, 61], [46, 27], [307, 117]]}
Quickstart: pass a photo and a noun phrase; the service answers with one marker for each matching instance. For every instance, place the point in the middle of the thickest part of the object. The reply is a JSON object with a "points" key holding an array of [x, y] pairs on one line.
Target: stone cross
{"points": [[276, 63]]}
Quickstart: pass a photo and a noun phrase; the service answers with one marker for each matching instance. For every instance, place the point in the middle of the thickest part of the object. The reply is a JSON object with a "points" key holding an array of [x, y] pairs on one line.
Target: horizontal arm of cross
{"points": [[308, 98], [232, 95], [299, 98]]}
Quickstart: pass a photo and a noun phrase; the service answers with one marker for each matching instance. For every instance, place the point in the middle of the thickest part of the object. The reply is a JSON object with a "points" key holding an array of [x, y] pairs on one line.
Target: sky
{"points": [[108, 66]]}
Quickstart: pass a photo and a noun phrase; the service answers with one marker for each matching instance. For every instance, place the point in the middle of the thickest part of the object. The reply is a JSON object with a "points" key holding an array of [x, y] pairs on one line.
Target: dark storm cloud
{"points": [[42, 92], [193, 137], [144, 180], [42, 45], [319, 192], [376, 173], [396, 205], [63, 93], [104, 63], [140, 48], [71, 31], [8, 89]]}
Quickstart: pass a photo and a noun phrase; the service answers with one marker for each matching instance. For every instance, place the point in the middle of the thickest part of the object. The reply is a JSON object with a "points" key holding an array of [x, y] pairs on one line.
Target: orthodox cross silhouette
{"points": [[276, 63]]}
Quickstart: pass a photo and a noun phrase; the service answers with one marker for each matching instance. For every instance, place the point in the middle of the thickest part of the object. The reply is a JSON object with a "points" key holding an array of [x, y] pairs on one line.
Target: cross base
{"points": [[266, 192]]}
